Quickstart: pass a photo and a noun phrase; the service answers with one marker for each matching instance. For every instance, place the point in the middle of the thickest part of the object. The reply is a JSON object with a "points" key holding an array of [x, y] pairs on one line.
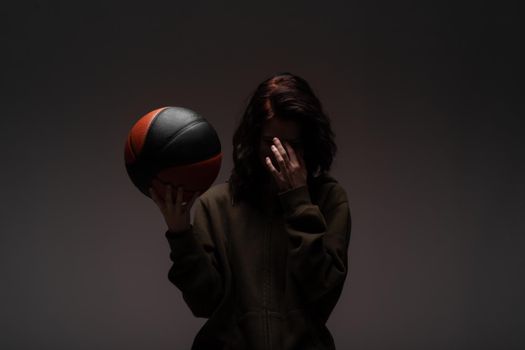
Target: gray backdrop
{"points": [[425, 105]]}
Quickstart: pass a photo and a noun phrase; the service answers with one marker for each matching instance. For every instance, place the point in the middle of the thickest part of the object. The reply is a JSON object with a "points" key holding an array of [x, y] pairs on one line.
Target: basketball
{"points": [[176, 146]]}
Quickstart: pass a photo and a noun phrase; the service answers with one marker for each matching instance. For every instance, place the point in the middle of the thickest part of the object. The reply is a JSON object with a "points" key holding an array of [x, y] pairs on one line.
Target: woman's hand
{"points": [[292, 172], [176, 214]]}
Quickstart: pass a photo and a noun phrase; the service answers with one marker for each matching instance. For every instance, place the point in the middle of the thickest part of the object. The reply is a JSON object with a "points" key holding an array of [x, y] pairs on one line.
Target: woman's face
{"points": [[284, 130]]}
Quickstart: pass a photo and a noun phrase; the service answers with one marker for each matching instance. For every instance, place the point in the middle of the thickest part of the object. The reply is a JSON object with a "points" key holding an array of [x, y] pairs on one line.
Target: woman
{"points": [[265, 259]]}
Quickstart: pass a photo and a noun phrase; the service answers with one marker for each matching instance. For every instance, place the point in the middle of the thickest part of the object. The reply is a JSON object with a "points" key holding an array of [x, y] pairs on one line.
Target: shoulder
{"points": [[327, 187], [217, 194]]}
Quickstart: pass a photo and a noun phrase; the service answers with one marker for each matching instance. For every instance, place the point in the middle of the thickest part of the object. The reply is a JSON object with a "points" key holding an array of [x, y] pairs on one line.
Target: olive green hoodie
{"points": [[264, 279]]}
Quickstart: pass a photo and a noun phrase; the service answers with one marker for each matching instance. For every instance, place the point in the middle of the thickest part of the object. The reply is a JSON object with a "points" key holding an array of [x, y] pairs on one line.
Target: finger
{"points": [[300, 157], [287, 172], [301, 161], [280, 159], [178, 202], [281, 149], [270, 167], [157, 200], [152, 191], [153, 195], [294, 162], [291, 153], [169, 197], [284, 161]]}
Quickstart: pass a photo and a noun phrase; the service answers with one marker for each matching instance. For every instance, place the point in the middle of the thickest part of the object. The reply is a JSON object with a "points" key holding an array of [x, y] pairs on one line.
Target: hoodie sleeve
{"points": [[318, 240], [196, 270]]}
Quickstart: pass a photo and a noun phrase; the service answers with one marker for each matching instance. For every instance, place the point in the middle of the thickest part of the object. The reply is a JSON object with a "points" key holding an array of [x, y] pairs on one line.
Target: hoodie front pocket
{"points": [[299, 331], [247, 332]]}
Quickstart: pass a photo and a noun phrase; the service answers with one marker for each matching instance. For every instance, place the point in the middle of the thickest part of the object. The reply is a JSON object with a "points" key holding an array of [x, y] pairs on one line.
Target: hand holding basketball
{"points": [[176, 214]]}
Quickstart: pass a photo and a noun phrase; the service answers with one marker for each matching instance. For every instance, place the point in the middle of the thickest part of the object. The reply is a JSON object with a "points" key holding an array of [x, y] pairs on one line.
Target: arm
{"points": [[317, 259], [196, 270]]}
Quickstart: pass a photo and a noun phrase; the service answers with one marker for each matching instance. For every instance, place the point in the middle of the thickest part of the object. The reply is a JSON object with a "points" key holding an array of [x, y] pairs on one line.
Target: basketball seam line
{"points": [[177, 134]]}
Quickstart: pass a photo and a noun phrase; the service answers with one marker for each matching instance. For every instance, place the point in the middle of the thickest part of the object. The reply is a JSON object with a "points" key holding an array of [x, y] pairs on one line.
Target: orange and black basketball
{"points": [[175, 145]]}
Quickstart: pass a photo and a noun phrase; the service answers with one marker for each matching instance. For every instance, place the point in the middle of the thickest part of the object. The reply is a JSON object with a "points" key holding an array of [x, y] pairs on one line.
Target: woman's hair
{"points": [[289, 97]]}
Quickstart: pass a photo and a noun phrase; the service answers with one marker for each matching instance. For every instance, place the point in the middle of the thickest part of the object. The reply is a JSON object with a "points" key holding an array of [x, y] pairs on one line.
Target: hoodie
{"points": [[264, 279]]}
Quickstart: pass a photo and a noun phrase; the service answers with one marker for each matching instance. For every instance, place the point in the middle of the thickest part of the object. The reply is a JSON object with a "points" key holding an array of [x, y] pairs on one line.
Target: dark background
{"points": [[426, 103]]}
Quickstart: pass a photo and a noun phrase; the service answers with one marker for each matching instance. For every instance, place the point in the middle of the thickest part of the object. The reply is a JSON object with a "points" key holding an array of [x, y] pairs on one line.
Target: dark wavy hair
{"points": [[289, 97]]}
